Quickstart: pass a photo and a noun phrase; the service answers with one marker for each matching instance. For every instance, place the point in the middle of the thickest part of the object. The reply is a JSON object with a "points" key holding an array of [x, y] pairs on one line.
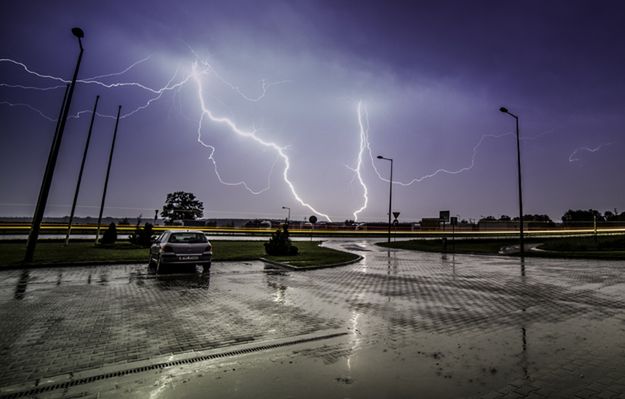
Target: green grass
{"points": [[576, 244], [604, 247], [12, 253], [55, 253], [473, 246], [311, 255]]}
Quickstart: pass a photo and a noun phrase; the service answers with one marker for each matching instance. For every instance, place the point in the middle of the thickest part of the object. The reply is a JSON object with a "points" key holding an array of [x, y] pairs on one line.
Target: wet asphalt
{"points": [[396, 324]]}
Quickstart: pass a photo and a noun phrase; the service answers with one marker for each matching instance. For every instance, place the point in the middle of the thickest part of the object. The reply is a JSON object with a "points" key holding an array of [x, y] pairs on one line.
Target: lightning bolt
{"points": [[51, 119], [248, 134], [157, 93], [363, 125], [442, 170], [573, 158], [174, 84]]}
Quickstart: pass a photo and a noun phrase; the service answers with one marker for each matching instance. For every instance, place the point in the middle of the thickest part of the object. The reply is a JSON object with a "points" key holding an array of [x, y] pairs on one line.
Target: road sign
{"points": [[444, 216], [396, 215], [312, 219], [454, 221]]}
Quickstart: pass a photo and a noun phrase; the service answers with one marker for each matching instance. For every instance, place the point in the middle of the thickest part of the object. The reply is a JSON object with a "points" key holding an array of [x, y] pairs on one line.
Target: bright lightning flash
{"points": [[364, 145], [174, 84], [251, 135]]}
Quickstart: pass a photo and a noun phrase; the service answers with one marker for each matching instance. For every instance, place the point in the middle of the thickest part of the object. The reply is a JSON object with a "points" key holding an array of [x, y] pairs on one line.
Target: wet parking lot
{"points": [[396, 324]]}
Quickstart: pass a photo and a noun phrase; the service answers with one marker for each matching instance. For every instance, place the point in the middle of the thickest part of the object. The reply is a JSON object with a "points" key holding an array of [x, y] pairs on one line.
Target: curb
{"points": [[289, 267]]}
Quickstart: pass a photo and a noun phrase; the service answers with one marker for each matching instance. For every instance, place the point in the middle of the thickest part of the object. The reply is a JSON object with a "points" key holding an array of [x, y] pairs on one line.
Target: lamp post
{"points": [[288, 218], [518, 158], [390, 196], [54, 153]]}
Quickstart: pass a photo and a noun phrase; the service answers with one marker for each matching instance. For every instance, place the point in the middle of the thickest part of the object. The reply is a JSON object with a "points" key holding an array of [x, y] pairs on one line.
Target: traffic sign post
{"points": [[453, 221], [395, 223]]}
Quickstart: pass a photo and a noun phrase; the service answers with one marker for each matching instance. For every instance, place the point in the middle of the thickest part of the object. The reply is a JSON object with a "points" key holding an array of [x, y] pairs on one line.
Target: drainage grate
{"points": [[162, 365]]}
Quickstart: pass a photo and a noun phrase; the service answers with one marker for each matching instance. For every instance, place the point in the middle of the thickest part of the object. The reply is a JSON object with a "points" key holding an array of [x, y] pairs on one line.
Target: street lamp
{"points": [[288, 218], [52, 157], [390, 196], [518, 158]]}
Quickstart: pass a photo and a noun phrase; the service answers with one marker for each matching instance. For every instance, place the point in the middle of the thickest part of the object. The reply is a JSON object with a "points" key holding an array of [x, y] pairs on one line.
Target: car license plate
{"points": [[188, 257]]}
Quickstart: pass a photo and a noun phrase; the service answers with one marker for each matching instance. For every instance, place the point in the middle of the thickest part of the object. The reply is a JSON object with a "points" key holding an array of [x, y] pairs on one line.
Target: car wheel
{"points": [[206, 267]]}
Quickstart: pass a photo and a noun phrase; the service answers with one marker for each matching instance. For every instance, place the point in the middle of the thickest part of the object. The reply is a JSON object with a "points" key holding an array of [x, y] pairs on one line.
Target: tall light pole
{"points": [[390, 196], [82, 168], [288, 218], [54, 153], [518, 159]]}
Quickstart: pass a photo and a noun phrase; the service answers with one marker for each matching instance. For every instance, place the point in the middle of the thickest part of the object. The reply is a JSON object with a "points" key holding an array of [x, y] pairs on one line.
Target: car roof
{"points": [[184, 231]]}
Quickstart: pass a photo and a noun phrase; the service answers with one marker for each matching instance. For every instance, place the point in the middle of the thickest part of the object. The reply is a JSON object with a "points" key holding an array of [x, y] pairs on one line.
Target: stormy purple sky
{"points": [[270, 80]]}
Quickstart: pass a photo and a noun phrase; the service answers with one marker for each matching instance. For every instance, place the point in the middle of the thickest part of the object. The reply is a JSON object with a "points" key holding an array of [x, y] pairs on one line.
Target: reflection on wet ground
{"points": [[418, 324]]}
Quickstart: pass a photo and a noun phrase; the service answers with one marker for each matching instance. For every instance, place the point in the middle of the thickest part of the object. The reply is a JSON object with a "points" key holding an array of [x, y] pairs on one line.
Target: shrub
{"points": [[142, 236], [110, 235], [280, 244]]}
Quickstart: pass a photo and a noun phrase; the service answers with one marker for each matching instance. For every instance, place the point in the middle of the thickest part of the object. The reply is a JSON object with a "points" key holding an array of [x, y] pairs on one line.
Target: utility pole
{"points": [[106, 180], [82, 167]]}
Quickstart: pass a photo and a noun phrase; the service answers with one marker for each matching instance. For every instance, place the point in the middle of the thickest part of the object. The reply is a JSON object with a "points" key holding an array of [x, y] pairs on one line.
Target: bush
{"points": [[110, 235], [142, 236], [280, 244]]}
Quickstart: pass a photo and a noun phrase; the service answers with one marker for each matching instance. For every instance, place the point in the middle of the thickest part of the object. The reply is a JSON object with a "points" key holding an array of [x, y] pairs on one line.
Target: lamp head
{"points": [[78, 33], [504, 110], [380, 157]]}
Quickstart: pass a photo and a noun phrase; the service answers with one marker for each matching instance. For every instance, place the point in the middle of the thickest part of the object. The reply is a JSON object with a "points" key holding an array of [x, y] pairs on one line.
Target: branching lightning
{"points": [[51, 119], [201, 69], [206, 113], [231, 125], [573, 156], [363, 124]]}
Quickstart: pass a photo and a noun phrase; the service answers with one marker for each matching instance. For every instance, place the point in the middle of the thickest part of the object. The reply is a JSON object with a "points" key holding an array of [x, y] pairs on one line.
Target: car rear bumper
{"points": [[186, 259]]}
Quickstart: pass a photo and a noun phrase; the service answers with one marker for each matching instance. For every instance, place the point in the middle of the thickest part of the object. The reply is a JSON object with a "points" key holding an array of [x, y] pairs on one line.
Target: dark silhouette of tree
{"points": [[582, 216], [280, 244], [142, 236], [535, 218], [110, 235], [181, 206]]}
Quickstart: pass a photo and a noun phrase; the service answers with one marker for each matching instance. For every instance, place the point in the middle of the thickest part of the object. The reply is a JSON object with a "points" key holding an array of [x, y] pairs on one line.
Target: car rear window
{"points": [[188, 238]]}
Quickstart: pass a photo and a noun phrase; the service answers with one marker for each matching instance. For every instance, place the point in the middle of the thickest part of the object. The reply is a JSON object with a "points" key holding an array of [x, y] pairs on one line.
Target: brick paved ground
{"points": [[418, 323]]}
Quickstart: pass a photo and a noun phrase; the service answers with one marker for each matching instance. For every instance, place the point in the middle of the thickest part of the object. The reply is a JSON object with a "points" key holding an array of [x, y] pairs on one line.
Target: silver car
{"points": [[180, 247]]}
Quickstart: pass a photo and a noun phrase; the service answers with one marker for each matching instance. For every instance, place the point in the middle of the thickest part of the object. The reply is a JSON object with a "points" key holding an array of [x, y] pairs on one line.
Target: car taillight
{"points": [[208, 248], [167, 248]]}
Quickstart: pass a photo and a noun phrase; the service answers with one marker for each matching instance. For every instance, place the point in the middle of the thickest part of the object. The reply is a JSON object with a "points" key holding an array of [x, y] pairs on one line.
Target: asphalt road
{"points": [[396, 324]]}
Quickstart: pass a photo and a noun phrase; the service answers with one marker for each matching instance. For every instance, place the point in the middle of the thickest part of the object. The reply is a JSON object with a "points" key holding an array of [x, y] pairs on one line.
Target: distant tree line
{"points": [[570, 217], [589, 215]]}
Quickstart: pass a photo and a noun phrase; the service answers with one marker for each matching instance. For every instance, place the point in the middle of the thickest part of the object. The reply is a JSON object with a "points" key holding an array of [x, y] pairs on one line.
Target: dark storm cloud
{"points": [[432, 73]]}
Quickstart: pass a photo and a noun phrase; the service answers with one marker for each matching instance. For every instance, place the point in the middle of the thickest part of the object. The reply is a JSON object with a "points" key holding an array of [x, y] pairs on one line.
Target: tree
{"points": [[142, 236], [280, 244], [181, 206], [110, 235], [582, 216]]}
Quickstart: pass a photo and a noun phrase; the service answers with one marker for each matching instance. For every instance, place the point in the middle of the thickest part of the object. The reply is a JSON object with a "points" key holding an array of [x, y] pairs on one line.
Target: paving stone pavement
{"points": [[465, 326]]}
